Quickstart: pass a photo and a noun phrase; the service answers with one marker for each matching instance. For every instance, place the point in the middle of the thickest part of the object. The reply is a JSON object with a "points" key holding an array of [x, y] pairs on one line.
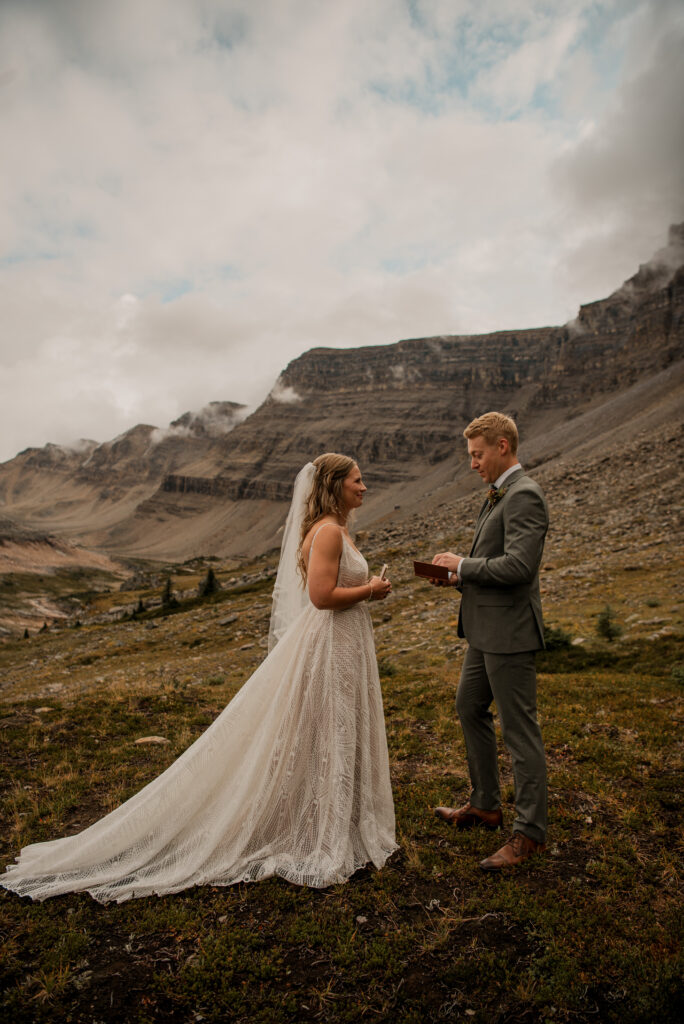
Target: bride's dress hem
{"points": [[298, 878]]}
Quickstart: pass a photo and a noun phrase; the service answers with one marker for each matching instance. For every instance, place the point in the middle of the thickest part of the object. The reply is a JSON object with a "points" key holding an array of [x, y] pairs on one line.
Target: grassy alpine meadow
{"points": [[589, 932]]}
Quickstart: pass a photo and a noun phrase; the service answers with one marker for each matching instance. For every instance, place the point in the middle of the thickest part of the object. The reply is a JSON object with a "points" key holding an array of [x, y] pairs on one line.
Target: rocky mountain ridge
{"points": [[400, 407], [216, 482]]}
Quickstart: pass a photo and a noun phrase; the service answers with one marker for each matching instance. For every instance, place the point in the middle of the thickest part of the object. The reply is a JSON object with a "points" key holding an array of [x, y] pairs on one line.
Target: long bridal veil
{"points": [[289, 593]]}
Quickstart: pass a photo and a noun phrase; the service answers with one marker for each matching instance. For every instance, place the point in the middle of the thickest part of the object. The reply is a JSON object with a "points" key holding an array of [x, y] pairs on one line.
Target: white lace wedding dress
{"points": [[292, 779]]}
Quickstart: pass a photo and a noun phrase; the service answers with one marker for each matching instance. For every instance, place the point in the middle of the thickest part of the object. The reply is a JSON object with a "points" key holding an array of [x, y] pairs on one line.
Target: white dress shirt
{"points": [[506, 473]]}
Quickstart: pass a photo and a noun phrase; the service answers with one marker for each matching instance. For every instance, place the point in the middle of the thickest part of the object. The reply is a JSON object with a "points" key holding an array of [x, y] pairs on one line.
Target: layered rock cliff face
{"points": [[215, 483], [398, 408]]}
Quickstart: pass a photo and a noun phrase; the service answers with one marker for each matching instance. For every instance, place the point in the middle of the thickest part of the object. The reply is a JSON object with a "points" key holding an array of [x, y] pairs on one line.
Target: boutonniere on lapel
{"points": [[495, 494]]}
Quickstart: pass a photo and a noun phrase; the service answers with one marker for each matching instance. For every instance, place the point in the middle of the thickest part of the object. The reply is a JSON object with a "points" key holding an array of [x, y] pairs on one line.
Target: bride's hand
{"points": [[381, 588]]}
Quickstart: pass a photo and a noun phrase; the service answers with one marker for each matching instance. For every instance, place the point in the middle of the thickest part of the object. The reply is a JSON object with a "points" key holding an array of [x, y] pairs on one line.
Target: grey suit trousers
{"points": [[511, 681]]}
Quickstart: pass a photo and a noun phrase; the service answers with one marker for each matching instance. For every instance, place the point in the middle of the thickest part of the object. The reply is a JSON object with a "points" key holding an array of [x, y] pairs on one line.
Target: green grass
{"points": [[591, 932]]}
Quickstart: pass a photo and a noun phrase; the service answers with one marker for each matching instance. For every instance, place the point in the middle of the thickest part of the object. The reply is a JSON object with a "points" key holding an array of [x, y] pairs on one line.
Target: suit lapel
{"points": [[482, 519], [487, 508], [482, 511]]}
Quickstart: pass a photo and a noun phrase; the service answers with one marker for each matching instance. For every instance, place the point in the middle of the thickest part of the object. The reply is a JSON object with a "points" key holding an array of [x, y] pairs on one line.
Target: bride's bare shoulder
{"points": [[331, 538]]}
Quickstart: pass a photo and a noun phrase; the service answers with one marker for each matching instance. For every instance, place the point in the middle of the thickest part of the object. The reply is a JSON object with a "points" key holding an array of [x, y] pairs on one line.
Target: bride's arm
{"points": [[324, 563]]}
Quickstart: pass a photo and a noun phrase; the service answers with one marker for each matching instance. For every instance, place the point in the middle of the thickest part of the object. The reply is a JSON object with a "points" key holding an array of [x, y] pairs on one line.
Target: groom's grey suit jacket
{"points": [[500, 605]]}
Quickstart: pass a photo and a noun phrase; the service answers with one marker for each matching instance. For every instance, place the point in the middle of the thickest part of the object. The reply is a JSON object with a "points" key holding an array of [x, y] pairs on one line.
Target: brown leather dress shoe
{"points": [[514, 851], [470, 817]]}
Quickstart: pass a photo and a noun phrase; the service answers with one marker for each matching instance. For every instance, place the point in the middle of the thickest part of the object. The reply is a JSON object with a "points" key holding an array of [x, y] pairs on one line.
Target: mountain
{"points": [[216, 482], [84, 491]]}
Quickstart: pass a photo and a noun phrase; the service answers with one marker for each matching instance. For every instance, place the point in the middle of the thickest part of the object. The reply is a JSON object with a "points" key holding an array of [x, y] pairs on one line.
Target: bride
{"points": [[292, 778]]}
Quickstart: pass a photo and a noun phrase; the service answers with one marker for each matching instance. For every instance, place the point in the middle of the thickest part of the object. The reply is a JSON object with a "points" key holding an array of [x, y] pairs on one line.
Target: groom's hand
{"points": [[452, 562]]}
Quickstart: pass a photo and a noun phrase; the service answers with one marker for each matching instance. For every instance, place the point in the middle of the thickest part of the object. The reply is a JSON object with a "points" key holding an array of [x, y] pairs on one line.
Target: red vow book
{"points": [[431, 571]]}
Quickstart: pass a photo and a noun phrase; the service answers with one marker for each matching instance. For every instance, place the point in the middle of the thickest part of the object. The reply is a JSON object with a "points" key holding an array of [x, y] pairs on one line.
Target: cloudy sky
{"points": [[193, 192]]}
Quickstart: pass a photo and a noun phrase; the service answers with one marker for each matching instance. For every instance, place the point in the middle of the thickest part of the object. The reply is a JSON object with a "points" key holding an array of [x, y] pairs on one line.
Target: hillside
{"points": [[92, 712]]}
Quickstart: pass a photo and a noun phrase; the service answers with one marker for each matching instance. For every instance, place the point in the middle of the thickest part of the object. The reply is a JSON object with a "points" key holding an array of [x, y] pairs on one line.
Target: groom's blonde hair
{"points": [[491, 426]]}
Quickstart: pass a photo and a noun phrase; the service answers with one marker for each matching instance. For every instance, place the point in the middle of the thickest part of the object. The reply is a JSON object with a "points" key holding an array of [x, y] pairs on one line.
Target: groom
{"points": [[501, 618]]}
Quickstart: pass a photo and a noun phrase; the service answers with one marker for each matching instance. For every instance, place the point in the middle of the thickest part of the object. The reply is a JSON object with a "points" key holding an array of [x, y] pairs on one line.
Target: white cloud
{"points": [[624, 176], [197, 193], [284, 394]]}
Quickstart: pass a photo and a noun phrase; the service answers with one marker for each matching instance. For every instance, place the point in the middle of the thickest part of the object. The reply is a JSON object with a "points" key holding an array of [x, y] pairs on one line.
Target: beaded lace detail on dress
{"points": [[292, 779]]}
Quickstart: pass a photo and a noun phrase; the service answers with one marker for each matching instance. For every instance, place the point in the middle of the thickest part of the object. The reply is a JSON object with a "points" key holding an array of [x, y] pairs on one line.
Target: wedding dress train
{"points": [[292, 779]]}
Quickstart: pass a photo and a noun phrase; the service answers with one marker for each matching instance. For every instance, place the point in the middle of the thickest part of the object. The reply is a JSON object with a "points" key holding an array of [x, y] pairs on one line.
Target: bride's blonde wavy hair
{"points": [[325, 498]]}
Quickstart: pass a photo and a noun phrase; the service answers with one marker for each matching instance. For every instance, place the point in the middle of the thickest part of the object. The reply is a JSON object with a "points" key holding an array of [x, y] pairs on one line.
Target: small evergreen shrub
{"points": [[607, 625], [169, 599], [556, 638], [209, 585]]}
